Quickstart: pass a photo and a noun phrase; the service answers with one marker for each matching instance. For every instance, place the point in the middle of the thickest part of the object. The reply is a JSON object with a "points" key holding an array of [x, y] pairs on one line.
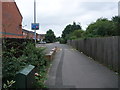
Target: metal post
{"points": [[35, 18]]}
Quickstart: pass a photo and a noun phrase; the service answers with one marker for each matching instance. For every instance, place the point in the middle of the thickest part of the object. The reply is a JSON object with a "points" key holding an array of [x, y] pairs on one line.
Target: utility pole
{"points": [[35, 18]]}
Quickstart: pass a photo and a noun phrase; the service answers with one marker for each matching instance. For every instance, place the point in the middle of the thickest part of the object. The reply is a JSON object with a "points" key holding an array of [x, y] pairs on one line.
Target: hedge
{"points": [[17, 53]]}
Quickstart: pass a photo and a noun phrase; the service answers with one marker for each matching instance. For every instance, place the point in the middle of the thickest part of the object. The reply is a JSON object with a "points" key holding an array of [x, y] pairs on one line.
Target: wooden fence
{"points": [[105, 50]]}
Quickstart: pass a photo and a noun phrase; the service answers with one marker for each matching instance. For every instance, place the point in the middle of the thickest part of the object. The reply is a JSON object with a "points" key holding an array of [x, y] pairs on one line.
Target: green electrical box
{"points": [[25, 78]]}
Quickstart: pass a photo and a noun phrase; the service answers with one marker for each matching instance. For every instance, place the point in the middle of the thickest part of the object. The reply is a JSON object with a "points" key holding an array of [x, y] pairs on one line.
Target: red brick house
{"points": [[25, 33], [31, 35], [40, 37], [11, 21], [28, 34]]}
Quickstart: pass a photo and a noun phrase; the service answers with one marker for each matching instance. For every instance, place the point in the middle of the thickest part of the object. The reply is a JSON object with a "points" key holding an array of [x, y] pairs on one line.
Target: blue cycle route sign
{"points": [[35, 26]]}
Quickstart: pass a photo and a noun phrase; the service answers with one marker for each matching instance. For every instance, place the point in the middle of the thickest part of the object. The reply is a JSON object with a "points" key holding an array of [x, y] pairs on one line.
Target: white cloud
{"points": [[56, 14]]}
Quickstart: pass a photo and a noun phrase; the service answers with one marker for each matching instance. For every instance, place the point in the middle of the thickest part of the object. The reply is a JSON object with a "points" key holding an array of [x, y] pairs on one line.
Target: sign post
{"points": [[35, 26], [35, 18]]}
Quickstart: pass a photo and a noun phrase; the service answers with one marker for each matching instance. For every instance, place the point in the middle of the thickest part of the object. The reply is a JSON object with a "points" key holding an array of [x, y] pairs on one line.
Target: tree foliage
{"points": [[116, 23], [102, 27], [78, 33], [50, 36], [69, 29]]}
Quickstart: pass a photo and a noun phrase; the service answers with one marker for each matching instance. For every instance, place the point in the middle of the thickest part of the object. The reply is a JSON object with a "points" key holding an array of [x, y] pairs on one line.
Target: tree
{"points": [[78, 33], [75, 35], [69, 29], [58, 39], [50, 36], [116, 23], [102, 27]]}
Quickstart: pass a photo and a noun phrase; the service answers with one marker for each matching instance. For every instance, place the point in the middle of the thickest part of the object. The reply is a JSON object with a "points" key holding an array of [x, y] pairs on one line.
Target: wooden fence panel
{"points": [[104, 50]]}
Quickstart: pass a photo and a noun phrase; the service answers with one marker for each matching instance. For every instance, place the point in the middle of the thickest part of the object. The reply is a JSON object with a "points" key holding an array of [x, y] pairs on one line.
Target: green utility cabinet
{"points": [[25, 78]]}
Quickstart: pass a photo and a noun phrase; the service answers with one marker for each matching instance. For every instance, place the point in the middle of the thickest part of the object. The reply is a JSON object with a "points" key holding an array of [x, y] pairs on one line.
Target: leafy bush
{"points": [[20, 55], [8, 85], [63, 41], [35, 56]]}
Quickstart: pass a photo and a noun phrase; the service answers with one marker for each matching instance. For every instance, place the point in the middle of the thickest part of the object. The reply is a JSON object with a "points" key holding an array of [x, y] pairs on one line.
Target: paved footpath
{"points": [[72, 69]]}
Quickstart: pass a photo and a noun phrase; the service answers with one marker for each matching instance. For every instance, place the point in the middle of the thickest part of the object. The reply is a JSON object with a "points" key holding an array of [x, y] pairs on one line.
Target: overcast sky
{"points": [[56, 14]]}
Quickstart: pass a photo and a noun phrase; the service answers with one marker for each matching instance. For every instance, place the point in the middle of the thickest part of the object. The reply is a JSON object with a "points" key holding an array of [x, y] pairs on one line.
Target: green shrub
{"points": [[35, 56], [29, 54]]}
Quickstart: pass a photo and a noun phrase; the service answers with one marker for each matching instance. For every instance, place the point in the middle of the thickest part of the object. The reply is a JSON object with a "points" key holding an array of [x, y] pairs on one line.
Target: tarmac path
{"points": [[72, 69]]}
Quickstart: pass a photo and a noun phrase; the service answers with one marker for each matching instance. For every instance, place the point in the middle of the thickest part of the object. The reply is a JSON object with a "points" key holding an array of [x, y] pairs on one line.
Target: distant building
{"points": [[30, 35], [119, 8], [41, 37], [11, 21], [25, 33], [37, 36]]}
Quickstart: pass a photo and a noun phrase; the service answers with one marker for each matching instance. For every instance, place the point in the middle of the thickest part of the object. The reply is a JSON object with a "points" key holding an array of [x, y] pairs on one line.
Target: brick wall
{"points": [[42, 36], [0, 17], [31, 35], [11, 20]]}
